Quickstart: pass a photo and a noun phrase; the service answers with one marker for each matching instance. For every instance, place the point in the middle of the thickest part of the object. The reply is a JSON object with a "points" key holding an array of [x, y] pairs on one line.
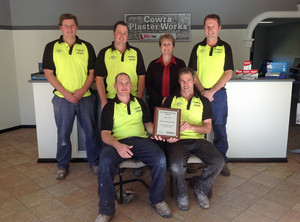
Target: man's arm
{"points": [[205, 128], [222, 81], [149, 127], [198, 84], [56, 84], [101, 90], [79, 93], [141, 86], [123, 149]]}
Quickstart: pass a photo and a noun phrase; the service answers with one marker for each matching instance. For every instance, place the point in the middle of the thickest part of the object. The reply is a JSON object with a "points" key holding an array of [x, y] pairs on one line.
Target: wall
{"points": [[107, 12], [9, 105], [278, 43]]}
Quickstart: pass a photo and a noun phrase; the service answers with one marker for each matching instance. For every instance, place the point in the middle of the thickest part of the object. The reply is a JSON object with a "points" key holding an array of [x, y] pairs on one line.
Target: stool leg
{"points": [[121, 185]]}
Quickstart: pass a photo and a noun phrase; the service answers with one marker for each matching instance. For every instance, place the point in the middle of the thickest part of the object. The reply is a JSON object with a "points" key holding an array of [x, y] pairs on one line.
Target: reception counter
{"points": [[257, 127]]}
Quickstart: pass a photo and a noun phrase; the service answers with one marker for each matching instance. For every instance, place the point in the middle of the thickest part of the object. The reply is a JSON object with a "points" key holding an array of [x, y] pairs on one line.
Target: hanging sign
{"points": [[149, 27]]}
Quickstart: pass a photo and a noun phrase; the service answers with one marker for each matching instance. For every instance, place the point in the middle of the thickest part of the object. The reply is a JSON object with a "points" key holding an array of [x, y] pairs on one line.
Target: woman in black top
{"points": [[162, 74]]}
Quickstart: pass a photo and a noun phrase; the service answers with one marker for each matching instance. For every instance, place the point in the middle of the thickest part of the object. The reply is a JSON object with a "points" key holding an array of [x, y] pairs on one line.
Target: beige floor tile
{"points": [[92, 189], [35, 198], [269, 209], [290, 186], [27, 166], [225, 209], [157, 218], [136, 209], [84, 180], [220, 189], [23, 189], [89, 211], [284, 197], [291, 216], [278, 171], [4, 165], [240, 198], [68, 216], [295, 178], [10, 207], [253, 188], [250, 216], [62, 189], [257, 167], [39, 172], [48, 209], [232, 180], [76, 198], [25, 215], [266, 179], [203, 215], [297, 206], [121, 217], [243, 172]]}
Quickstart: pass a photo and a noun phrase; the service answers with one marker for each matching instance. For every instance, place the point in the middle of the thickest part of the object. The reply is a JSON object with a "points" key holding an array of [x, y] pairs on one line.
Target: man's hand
{"points": [[185, 126], [209, 94], [124, 150], [79, 93], [70, 97]]}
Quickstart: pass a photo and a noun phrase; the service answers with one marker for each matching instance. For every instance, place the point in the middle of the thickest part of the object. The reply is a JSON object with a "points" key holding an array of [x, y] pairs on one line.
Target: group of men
{"points": [[70, 65]]}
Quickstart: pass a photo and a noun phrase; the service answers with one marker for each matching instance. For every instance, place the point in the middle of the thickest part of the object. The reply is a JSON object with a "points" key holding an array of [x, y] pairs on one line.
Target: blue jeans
{"points": [[145, 150], [219, 121], [64, 114], [178, 154]]}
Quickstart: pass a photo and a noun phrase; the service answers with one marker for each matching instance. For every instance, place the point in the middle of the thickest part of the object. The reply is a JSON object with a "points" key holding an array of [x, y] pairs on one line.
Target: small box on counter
{"points": [[276, 70], [276, 67], [238, 74], [254, 74], [246, 74], [247, 65]]}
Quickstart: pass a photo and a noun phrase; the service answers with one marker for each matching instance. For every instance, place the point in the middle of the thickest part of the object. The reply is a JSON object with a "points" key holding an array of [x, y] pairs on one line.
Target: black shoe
{"points": [[225, 171]]}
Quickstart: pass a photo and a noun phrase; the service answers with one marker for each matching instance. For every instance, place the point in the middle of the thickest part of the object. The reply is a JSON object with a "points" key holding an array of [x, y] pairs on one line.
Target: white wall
{"points": [[9, 101], [29, 46]]}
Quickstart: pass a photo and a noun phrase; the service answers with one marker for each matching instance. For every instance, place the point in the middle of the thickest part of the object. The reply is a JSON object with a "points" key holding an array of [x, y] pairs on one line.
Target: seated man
{"points": [[196, 121], [123, 123]]}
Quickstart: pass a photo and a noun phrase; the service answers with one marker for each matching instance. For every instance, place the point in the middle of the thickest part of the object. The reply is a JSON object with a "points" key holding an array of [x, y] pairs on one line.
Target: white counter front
{"points": [[257, 125], [258, 118]]}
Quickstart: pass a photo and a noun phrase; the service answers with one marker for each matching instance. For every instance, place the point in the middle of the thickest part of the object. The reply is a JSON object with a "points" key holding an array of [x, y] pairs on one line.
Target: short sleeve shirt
{"points": [[210, 63], [71, 65], [125, 120], [193, 111], [110, 62]]}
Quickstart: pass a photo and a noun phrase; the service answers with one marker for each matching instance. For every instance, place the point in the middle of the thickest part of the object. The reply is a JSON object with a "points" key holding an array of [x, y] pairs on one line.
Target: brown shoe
{"points": [[104, 218], [163, 209], [225, 171], [61, 174]]}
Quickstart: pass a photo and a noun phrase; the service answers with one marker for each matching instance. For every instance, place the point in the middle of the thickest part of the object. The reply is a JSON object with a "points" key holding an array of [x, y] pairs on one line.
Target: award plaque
{"points": [[166, 123]]}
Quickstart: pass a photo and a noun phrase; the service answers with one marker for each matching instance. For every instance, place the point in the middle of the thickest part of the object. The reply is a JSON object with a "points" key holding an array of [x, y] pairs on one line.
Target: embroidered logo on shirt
{"points": [[58, 51], [79, 51], [131, 58], [218, 50]]}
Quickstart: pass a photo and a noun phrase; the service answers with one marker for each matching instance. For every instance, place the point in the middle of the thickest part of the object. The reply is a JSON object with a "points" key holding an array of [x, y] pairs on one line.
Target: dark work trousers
{"points": [[178, 154], [145, 150], [219, 120]]}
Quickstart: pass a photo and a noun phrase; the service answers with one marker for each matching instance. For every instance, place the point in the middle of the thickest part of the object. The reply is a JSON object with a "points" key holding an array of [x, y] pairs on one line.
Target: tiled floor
{"points": [[30, 192]]}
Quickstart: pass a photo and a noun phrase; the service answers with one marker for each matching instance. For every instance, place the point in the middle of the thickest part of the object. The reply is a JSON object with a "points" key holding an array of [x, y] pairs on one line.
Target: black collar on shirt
{"points": [[219, 43], [196, 94], [116, 100]]}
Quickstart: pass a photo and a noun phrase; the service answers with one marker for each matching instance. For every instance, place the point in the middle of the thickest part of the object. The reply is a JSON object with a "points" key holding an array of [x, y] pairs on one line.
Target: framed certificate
{"points": [[166, 123]]}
